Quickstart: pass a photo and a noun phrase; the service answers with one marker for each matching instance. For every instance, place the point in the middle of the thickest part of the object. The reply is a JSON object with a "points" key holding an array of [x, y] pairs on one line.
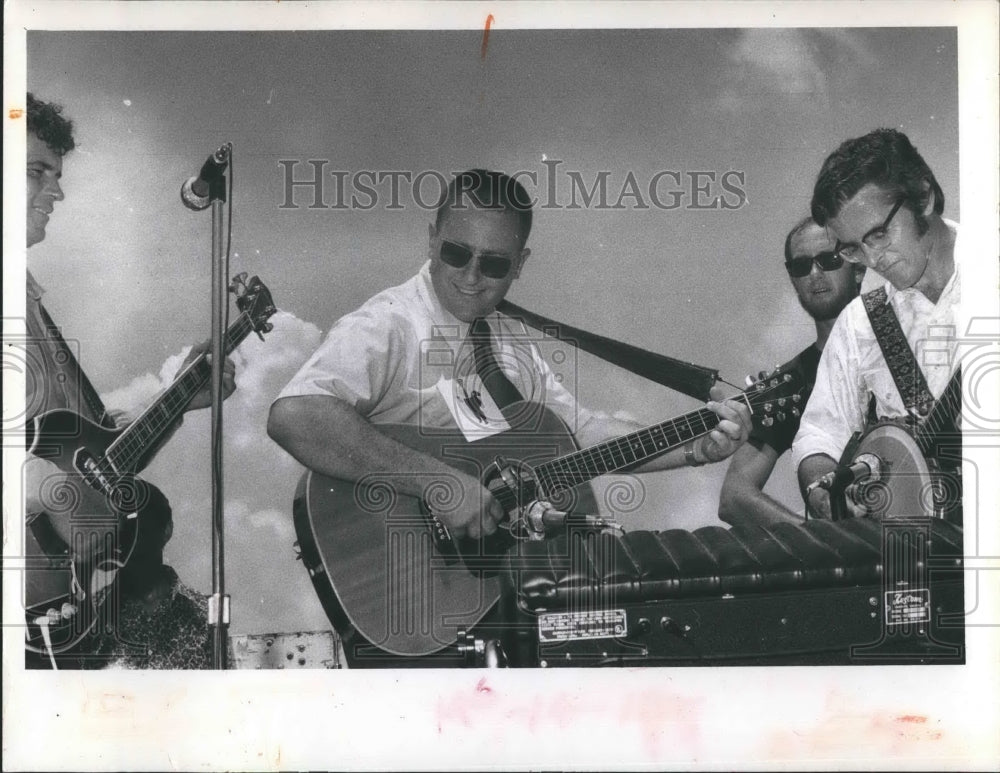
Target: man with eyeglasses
{"points": [[389, 363], [824, 284], [882, 204]]}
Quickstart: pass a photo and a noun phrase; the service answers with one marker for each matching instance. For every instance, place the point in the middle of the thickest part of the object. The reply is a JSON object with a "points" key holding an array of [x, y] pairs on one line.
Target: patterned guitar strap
{"points": [[64, 354], [906, 373]]}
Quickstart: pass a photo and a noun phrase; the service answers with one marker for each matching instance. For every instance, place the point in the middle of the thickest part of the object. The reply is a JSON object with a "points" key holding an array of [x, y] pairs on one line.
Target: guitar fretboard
{"points": [[625, 451], [150, 427], [942, 416]]}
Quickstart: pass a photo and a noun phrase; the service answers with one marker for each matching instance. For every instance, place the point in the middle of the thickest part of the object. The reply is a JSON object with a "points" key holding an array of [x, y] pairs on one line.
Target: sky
{"points": [[746, 116]]}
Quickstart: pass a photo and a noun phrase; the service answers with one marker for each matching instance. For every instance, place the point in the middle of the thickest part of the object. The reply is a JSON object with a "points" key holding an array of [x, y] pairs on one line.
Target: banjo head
{"points": [[905, 487]]}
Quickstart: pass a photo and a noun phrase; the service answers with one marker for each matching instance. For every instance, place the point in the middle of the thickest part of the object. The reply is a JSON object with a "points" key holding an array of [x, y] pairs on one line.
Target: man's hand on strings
{"points": [[732, 432], [203, 398]]}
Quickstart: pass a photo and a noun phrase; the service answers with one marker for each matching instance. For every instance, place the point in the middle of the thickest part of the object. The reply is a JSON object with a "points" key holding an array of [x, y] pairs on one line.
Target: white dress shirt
{"points": [[388, 358], [852, 366]]}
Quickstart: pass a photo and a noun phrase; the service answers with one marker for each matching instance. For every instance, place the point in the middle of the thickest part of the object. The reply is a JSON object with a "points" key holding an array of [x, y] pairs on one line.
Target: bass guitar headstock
{"points": [[775, 397], [254, 299]]}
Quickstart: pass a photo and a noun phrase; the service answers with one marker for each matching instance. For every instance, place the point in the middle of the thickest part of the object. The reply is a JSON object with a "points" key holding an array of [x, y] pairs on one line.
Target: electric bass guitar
{"points": [[915, 468], [382, 563], [93, 505]]}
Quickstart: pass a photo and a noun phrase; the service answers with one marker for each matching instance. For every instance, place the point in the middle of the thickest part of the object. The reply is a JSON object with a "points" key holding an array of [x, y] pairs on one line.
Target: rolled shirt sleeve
{"points": [[357, 361], [837, 405], [391, 358]]}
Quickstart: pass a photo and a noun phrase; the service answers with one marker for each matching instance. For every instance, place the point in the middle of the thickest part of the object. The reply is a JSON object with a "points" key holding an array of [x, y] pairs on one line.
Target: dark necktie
{"points": [[494, 379]]}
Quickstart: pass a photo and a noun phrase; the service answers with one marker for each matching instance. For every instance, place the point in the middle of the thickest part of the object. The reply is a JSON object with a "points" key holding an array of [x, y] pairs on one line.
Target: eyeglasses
{"points": [[876, 239], [490, 264], [800, 267]]}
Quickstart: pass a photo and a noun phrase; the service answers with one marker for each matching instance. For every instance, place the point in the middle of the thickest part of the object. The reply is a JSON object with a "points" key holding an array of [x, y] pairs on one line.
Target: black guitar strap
{"points": [[65, 353], [906, 373], [685, 377]]}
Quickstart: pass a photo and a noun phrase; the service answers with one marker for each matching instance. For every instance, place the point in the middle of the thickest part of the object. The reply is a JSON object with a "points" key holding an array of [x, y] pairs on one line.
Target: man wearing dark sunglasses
{"points": [[882, 205], [824, 284], [397, 360]]}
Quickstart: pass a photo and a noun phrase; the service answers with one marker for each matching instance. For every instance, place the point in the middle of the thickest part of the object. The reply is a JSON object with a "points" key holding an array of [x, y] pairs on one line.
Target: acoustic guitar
{"points": [[384, 564], [94, 505]]}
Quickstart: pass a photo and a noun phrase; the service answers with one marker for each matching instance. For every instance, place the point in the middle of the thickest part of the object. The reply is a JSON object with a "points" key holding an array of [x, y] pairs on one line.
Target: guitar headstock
{"points": [[775, 397], [254, 299]]}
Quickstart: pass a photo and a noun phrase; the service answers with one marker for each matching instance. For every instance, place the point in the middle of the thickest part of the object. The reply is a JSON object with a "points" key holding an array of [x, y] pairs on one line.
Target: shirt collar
{"points": [[34, 289], [890, 291]]}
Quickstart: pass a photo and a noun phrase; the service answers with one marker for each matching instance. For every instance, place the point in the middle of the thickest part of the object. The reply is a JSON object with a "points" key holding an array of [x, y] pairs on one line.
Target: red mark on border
{"points": [[912, 718], [481, 686], [486, 37], [16, 112]]}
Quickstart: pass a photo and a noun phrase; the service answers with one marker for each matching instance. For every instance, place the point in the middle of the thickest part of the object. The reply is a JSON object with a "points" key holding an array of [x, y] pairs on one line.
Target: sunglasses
{"points": [[490, 265], [800, 267]]}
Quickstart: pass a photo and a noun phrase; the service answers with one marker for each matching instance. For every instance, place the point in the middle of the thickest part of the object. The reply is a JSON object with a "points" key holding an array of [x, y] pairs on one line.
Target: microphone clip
{"points": [[540, 519]]}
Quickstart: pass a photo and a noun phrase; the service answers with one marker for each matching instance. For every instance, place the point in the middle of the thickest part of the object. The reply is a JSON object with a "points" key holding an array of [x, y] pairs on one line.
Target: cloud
{"points": [[768, 66], [270, 590], [135, 396]]}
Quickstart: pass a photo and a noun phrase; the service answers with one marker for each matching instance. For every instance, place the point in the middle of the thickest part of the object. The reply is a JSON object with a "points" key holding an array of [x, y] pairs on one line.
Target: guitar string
{"points": [[607, 457], [947, 406], [600, 459], [155, 420]]}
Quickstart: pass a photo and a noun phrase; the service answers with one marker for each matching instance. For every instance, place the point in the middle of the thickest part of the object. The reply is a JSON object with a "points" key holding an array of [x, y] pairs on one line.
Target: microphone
{"points": [[864, 467], [541, 517], [195, 191]]}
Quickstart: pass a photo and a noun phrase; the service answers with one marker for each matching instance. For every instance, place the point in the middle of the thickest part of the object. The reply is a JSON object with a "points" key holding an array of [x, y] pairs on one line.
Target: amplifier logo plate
{"points": [[592, 624], [907, 606]]}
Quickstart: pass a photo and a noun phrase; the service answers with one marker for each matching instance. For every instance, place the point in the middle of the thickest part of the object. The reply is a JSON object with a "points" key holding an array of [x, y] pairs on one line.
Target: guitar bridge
{"points": [[92, 474]]}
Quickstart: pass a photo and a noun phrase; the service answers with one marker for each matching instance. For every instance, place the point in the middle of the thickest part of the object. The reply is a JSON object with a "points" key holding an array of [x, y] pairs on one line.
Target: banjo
{"points": [[915, 469]]}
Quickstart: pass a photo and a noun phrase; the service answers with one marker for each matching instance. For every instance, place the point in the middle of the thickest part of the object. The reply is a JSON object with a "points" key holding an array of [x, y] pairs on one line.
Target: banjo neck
{"points": [[942, 418]]}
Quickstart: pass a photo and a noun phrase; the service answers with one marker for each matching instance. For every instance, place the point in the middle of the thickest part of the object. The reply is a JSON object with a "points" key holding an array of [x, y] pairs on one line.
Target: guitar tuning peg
{"points": [[781, 402], [767, 421], [748, 381], [781, 416], [796, 398], [796, 412], [768, 407]]}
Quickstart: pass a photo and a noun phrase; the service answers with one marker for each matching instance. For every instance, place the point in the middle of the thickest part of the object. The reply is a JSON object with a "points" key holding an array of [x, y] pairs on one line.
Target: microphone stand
{"points": [[208, 189], [218, 607]]}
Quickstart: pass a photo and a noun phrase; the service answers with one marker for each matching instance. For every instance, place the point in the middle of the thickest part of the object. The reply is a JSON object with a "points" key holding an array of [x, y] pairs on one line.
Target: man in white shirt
{"points": [[880, 201], [399, 358]]}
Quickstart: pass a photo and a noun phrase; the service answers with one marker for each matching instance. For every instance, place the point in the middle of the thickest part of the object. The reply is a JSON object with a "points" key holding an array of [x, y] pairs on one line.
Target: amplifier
{"points": [[847, 592]]}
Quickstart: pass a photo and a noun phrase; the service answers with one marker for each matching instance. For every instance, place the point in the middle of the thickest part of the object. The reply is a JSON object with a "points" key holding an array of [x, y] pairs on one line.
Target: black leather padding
{"points": [[581, 566]]}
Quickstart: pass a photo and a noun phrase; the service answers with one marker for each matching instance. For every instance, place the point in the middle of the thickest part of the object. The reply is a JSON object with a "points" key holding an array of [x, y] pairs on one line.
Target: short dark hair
{"points": [[884, 157], [487, 190], [46, 122], [802, 225]]}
